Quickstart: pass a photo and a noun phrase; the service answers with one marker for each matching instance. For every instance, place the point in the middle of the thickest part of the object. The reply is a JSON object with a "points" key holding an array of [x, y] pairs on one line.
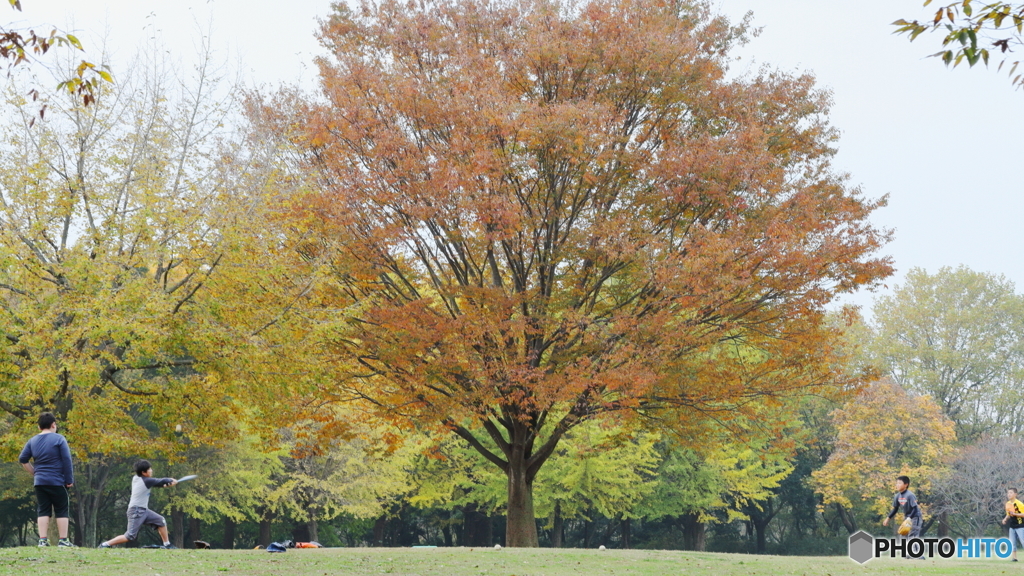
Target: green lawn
{"points": [[459, 562]]}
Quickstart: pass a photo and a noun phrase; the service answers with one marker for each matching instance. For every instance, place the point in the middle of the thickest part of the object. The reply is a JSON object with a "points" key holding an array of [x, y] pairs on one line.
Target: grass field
{"points": [[460, 562]]}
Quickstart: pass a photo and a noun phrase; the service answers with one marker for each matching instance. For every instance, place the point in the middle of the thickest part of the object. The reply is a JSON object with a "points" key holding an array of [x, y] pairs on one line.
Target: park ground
{"points": [[461, 562]]}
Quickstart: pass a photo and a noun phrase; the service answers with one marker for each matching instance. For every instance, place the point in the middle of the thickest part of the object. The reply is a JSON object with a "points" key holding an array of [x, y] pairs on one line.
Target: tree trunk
{"points": [[195, 530], [760, 517], [521, 524], [520, 465], [81, 520], [759, 521], [626, 525], [477, 529], [466, 530], [558, 527], [694, 536], [608, 533], [229, 534], [944, 525], [446, 531], [265, 525], [314, 530], [90, 495], [760, 526], [378, 530], [928, 525], [300, 532], [177, 528], [487, 526], [846, 518], [52, 534]]}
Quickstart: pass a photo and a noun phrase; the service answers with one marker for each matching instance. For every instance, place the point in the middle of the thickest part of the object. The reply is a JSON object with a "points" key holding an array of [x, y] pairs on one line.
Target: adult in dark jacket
{"points": [[51, 469]]}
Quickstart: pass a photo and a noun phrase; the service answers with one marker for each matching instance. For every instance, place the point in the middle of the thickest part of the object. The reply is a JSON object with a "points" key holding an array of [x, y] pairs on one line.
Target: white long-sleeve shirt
{"points": [[140, 489]]}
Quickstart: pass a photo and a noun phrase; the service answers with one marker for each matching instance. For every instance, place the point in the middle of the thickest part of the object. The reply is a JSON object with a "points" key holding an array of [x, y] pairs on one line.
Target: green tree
{"points": [[335, 476], [598, 470], [17, 504], [974, 31], [957, 336], [448, 474], [795, 492], [695, 486], [236, 480]]}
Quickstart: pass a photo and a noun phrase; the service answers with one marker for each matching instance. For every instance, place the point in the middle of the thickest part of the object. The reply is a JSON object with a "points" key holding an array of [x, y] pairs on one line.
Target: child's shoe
{"points": [[44, 542], [65, 543], [103, 545]]}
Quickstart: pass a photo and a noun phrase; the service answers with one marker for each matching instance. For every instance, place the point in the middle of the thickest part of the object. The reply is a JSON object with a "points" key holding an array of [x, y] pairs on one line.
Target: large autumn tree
{"points": [[545, 212]]}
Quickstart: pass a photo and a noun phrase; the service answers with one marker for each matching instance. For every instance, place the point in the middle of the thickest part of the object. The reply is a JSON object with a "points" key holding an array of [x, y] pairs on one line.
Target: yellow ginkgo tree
{"points": [[882, 433], [138, 291]]}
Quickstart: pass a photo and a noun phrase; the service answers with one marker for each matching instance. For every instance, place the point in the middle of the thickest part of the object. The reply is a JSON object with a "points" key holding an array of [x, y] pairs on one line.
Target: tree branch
{"points": [[466, 435]]}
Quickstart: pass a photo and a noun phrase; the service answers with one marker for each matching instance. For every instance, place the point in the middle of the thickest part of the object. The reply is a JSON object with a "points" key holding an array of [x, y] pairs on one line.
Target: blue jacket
{"points": [[52, 459]]}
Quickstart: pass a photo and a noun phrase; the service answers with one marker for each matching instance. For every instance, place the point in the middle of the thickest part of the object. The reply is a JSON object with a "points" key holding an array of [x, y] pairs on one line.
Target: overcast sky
{"points": [[944, 145]]}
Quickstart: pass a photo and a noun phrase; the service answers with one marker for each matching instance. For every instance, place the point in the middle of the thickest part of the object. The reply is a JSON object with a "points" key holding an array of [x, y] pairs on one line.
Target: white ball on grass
{"points": [[497, 546], [601, 547]]}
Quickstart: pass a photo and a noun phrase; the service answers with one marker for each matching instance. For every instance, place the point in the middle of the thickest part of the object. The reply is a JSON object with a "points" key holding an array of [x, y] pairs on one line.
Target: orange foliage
{"points": [[543, 212]]}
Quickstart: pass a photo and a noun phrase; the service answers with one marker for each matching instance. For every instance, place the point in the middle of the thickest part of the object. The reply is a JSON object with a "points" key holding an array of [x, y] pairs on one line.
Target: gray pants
{"points": [[915, 532], [1016, 536], [138, 517]]}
